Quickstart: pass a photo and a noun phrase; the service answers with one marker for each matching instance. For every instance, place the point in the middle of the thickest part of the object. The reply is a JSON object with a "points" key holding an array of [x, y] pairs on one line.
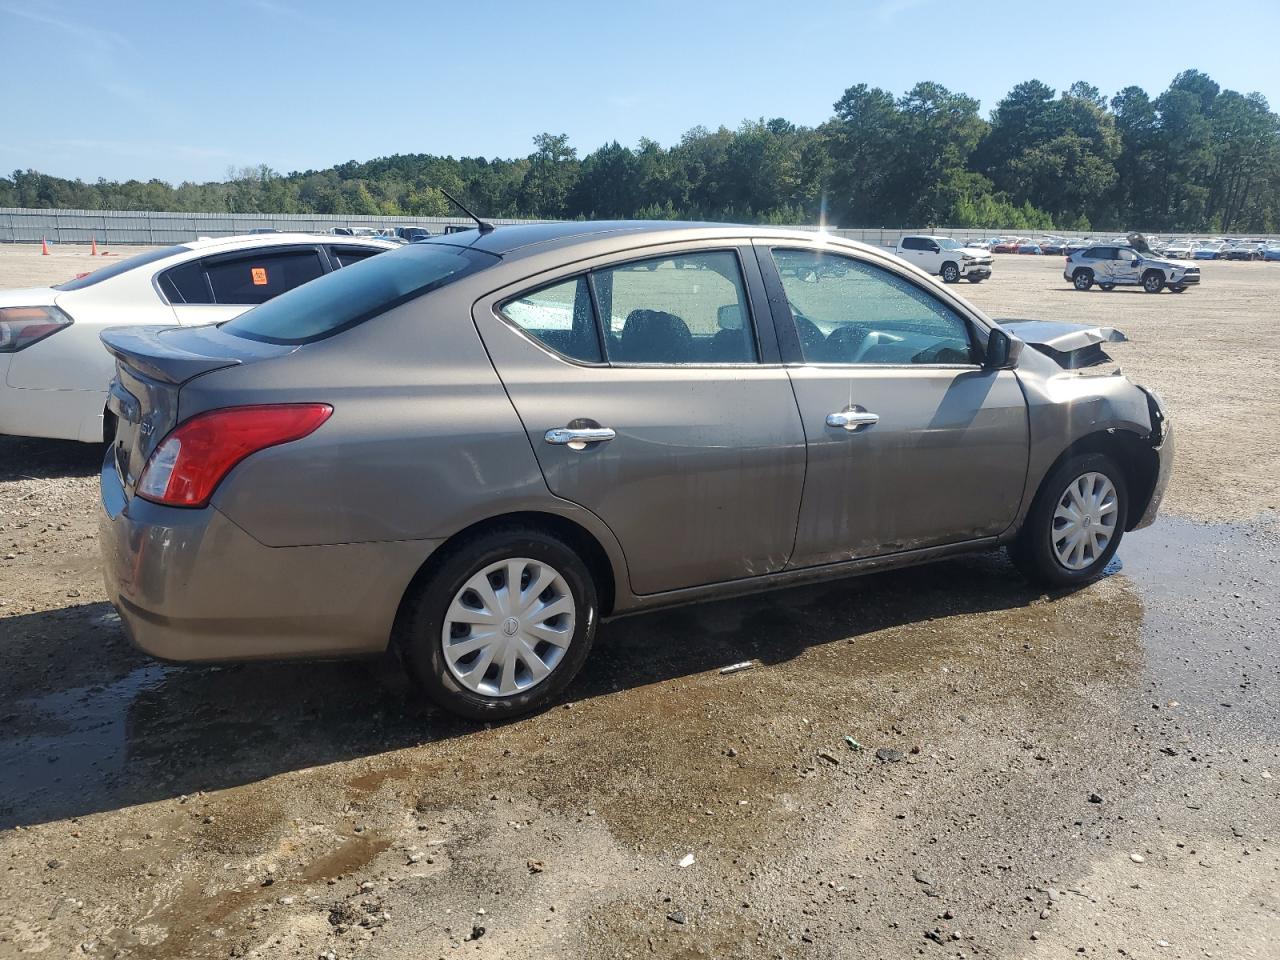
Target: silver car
{"points": [[475, 448], [1111, 266]]}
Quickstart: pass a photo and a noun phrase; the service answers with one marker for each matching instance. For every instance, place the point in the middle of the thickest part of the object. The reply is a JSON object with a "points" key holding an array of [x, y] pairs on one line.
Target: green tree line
{"points": [[1194, 158]]}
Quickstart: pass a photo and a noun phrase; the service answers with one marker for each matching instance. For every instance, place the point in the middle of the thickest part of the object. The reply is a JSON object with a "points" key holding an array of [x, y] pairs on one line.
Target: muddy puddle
{"points": [[1190, 609], [941, 739]]}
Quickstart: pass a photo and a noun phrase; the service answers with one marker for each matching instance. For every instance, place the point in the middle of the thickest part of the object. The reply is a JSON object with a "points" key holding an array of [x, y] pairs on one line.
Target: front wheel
{"points": [[950, 273], [1178, 289], [1153, 281], [502, 626], [1106, 287], [1075, 523], [975, 279]]}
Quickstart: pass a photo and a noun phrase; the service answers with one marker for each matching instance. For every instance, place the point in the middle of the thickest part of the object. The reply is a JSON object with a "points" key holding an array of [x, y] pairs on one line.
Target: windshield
{"points": [[106, 273], [946, 243], [354, 294]]}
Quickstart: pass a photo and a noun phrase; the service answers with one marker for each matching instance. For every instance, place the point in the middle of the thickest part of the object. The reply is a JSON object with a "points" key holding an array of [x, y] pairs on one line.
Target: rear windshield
{"points": [[346, 297], [106, 273]]}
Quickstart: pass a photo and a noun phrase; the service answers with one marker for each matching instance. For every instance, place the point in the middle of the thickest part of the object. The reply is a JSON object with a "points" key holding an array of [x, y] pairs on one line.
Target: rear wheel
{"points": [[1075, 523], [1106, 287], [502, 626], [1082, 279], [1153, 281], [950, 272]]}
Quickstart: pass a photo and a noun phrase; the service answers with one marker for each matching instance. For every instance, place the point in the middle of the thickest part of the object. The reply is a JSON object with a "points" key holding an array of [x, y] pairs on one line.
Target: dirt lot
{"points": [[1038, 776]]}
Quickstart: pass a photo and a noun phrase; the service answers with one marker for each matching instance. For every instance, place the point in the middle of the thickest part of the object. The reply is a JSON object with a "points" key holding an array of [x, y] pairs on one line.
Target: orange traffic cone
{"points": [[93, 246], [44, 247]]}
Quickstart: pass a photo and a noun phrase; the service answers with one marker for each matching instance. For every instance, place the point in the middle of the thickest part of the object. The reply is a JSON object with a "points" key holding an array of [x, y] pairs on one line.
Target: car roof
{"points": [[528, 238], [249, 241]]}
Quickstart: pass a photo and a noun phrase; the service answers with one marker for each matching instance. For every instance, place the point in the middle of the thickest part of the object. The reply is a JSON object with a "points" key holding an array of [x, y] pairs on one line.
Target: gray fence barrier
{"points": [[21, 225]]}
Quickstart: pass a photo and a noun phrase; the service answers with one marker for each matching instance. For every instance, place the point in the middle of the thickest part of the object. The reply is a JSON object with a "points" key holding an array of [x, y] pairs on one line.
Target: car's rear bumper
{"points": [[192, 585], [55, 414]]}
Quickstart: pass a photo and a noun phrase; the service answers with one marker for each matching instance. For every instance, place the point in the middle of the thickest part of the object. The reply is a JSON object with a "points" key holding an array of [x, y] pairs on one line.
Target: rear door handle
{"points": [[852, 419], [576, 438]]}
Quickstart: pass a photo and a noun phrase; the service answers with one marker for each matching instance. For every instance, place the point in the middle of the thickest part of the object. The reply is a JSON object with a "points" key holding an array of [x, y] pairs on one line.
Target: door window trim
{"points": [[785, 323]]}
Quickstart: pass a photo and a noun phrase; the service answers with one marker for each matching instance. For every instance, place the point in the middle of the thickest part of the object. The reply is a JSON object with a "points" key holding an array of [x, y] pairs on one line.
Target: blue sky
{"points": [[182, 90]]}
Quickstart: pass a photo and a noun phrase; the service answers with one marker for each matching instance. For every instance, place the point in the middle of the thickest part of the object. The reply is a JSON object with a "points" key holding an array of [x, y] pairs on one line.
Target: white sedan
{"points": [[54, 372]]}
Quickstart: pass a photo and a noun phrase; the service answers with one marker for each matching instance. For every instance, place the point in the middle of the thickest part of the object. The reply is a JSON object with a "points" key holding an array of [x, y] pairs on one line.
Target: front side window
{"points": [[560, 317], [1124, 254], [344, 298], [689, 308], [849, 312]]}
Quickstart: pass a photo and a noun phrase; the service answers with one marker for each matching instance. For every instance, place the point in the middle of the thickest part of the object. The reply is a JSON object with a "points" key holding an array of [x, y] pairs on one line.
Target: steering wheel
{"points": [[843, 342], [942, 353]]}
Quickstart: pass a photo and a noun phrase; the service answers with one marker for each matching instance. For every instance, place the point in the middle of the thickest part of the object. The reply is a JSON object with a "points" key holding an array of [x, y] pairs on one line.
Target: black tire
{"points": [[1153, 281], [1106, 287], [1082, 279], [1033, 550], [1178, 289], [950, 272], [975, 279], [420, 632]]}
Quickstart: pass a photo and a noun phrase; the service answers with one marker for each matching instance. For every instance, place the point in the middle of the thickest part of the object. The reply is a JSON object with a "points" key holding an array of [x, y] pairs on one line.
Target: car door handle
{"points": [[852, 419], [579, 437]]}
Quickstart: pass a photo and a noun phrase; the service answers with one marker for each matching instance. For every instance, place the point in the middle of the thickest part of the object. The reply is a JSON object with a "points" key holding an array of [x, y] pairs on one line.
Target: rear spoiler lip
{"points": [[143, 348]]}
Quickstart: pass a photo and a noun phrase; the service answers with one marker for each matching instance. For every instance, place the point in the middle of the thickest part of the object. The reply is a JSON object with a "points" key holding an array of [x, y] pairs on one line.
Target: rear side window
{"points": [[691, 308], [257, 277], [106, 273], [912, 243], [345, 298], [345, 256], [186, 284], [560, 317]]}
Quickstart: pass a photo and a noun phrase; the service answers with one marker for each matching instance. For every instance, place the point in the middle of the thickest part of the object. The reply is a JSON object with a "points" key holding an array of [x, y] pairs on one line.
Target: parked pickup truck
{"points": [[946, 258]]}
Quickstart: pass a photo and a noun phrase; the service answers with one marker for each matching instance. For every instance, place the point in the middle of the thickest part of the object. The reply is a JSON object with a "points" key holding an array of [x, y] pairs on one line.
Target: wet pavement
{"points": [[999, 712]]}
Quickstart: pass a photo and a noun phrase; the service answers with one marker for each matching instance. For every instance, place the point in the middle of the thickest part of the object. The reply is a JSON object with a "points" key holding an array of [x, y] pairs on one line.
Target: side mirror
{"points": [[934, 248], [1003, 351]]}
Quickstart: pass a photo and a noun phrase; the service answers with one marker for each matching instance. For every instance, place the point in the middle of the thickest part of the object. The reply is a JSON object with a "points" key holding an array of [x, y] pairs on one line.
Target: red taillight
{"points": [[22, 326], [192, 460]]}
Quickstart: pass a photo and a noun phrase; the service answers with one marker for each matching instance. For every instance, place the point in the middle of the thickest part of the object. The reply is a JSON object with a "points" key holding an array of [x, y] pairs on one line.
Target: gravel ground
{"points": [[936, 762]]}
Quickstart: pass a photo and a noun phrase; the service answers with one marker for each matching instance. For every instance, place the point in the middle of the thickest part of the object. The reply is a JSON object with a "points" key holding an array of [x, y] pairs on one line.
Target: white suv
{"points": [[946, 258]]}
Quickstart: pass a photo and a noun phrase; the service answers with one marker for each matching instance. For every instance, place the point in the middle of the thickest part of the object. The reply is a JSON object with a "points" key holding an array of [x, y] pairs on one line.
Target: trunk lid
{"points": [[152, 365]]}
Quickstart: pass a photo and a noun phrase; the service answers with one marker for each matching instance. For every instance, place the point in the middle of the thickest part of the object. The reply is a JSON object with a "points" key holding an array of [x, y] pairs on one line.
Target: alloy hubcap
{"points": [[508, 627], [1084, 523]]}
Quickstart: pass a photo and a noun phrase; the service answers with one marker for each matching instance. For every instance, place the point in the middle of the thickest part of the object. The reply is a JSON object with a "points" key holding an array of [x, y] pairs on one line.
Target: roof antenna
{"points": [[482, 225]]}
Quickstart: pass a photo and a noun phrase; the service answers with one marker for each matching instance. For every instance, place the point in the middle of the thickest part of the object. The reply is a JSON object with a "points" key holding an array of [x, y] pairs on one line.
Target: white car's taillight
{"points": [[20, 327]]}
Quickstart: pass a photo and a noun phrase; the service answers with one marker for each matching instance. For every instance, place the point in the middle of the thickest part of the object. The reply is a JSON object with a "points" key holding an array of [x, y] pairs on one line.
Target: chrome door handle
{"points": [[579, 437], [852, 419]]}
